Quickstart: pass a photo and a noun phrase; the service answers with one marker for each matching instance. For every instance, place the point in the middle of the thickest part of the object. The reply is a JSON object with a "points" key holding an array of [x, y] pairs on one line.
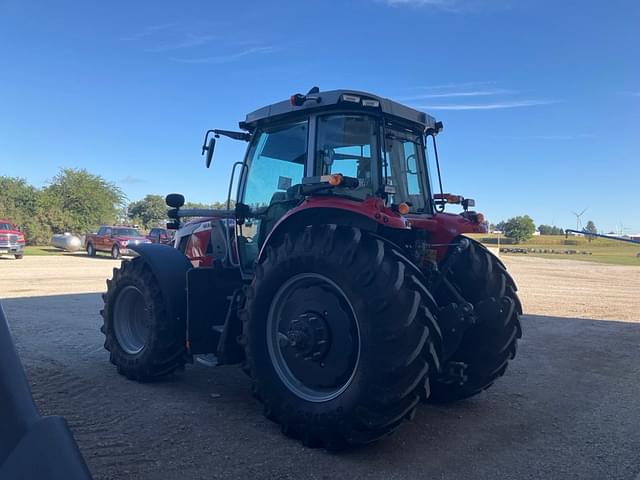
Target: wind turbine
{"points": [[579, 218]]}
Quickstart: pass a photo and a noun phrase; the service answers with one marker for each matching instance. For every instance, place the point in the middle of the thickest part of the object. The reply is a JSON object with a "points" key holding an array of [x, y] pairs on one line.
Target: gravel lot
{"points": [[568, 407]]}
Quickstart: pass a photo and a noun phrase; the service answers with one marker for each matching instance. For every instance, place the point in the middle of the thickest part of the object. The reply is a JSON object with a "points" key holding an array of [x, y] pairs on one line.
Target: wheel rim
{"points": [[90, 249], [115, 251], [130, 320], [313, 337]]}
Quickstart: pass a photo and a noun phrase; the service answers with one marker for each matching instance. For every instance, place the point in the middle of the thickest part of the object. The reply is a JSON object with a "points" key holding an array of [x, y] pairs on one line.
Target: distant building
{"points": [[635, 236]]}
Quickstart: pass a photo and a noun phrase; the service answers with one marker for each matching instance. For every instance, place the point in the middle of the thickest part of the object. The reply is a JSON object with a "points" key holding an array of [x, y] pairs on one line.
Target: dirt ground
{"points": [[567, 408]]}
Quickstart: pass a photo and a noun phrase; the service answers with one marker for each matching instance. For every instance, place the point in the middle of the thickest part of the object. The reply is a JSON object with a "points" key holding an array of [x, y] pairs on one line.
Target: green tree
{"points": [[149, 211], [549, 230], [545, 229], [500, 226], [214, 205], [83, 200], [23, 205], [519, 228], [591, 227]]}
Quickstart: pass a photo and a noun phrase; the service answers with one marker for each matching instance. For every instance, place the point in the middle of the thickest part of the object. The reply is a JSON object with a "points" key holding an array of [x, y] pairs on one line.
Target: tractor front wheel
{"points": [[486, 348], [336, 331], [144, 343]]}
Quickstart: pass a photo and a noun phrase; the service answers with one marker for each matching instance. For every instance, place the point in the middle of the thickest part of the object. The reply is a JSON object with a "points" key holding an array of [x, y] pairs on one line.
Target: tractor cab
{"points": [[356, 151]]}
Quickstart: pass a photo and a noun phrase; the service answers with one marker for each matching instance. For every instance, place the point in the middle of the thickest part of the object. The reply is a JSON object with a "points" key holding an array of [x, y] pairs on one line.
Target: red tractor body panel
{"points": [[197, 240], [442, 227], [372, 208]]}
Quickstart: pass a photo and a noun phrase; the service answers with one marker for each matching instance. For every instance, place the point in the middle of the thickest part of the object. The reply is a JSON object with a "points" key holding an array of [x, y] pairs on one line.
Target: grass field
{"points": [[602, 250], [46, 250]]}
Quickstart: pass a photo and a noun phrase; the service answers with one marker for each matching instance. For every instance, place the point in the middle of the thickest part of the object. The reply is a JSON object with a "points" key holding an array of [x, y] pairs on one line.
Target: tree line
{"points": [[522, 228], [79, 202]]}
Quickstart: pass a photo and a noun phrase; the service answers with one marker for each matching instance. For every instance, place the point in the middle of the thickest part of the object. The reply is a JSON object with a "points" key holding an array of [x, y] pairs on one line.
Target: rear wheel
{"points": [[91, 250], [144, 343], [487, 346], [336, 329], [115, 252], [19, 256]]}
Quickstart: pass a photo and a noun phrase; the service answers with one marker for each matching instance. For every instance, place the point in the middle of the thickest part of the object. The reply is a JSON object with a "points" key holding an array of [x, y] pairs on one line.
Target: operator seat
{"points": [[281, 203]]}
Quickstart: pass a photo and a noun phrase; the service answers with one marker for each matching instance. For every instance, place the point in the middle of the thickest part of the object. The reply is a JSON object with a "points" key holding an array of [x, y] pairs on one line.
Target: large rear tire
{"points": [[489, 345], [338, 336], [144, 343]]}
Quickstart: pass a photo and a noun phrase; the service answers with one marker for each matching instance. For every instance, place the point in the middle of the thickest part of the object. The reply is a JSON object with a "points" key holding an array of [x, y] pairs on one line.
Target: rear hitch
{"points": [[454, 373], [454, 320], [445, 267]]}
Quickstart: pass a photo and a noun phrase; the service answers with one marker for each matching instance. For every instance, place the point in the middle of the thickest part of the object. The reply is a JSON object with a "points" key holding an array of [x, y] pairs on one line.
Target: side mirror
{"points": [[174, 200], [209, 149], [173, 226]]}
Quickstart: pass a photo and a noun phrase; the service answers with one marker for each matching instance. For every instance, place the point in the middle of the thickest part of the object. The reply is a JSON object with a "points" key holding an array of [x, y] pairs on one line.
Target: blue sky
{"points": [[540, 99]]}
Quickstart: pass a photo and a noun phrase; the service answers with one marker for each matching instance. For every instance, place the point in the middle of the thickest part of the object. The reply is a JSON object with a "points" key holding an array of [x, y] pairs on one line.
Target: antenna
{"points": [[579, 219]]}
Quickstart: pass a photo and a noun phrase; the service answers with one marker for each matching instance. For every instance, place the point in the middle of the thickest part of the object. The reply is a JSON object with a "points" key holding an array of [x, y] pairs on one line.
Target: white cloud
{"points": [[489, 106], [420, 3], [130, 180], [227, 58], [188, 42], [451, 6], [577, 136], [456, 86], [471, 93], [150, 31]]}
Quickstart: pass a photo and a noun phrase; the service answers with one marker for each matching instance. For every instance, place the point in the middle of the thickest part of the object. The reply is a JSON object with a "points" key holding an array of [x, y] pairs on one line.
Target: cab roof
{"points": [[336, 99]]}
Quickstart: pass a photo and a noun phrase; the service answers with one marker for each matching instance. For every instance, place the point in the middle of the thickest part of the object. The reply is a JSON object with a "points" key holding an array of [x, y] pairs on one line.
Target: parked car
{"points": [[160, 235], [115, 240], [11, 239]]}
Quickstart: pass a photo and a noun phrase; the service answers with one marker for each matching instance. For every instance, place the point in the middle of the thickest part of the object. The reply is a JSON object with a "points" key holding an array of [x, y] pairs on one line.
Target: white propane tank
{"points": [[67, 242]]}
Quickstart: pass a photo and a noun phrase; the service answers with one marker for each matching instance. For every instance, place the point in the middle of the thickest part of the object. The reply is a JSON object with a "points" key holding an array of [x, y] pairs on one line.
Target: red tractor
{"points": [[336, 281]]}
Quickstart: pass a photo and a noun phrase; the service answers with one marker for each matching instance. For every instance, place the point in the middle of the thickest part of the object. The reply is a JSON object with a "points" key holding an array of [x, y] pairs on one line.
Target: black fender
{"points": [[170, 267], [319, 216], [31, 446]]}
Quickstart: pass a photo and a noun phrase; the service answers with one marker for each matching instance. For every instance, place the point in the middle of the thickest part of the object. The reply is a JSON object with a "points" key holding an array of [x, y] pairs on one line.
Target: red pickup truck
{"points": [[114, 239], [11, 239]]}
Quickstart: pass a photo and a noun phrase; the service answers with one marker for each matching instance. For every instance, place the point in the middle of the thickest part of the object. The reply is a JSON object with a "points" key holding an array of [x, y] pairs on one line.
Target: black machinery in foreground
{"points": [[31, 446]]}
